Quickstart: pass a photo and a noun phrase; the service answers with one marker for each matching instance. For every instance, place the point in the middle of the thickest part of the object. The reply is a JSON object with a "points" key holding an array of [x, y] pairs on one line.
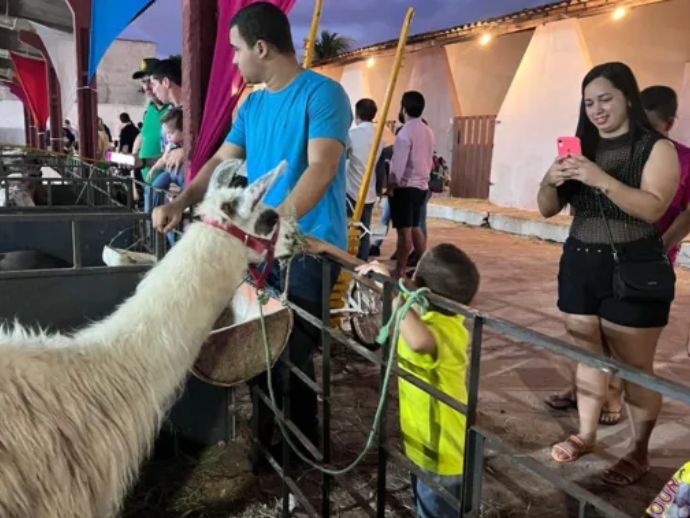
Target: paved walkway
{"points": [[519, 284]]}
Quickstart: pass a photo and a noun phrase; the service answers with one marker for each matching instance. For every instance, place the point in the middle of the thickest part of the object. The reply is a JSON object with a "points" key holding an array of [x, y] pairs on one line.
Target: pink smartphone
{"points": [[569, 146]]}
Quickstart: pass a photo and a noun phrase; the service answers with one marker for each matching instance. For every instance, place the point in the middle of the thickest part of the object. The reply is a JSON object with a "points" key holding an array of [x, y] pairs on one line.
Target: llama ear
{"points": [[257, 190], [224, 174]]}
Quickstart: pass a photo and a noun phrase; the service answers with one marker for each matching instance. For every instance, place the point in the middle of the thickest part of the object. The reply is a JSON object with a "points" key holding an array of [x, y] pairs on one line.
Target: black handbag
{"points": [[640, 280]]}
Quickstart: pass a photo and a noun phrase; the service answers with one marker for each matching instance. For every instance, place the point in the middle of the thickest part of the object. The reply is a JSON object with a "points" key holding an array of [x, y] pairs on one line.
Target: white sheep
{"points": [[80, 412]]}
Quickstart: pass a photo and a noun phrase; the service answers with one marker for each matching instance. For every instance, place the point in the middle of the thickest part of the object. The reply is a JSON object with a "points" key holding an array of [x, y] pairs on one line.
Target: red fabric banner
{"points": [[32, 75], [224, 87]]}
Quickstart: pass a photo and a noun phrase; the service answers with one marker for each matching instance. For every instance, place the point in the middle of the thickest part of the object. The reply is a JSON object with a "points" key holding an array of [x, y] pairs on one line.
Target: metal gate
{"points": [[473, 144]]}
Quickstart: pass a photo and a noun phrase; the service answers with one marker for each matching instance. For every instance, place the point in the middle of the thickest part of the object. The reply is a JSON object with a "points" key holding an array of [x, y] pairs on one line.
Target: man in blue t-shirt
{"points": [[304, 118]]}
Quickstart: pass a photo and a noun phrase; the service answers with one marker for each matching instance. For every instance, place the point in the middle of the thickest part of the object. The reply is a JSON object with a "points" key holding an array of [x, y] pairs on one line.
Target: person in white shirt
{"points": [[361, 139]]}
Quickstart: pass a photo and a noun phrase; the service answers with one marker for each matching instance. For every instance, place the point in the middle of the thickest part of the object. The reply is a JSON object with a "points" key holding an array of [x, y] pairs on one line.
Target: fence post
{"points": [[381, 432], [474, 445], [326, 383]]}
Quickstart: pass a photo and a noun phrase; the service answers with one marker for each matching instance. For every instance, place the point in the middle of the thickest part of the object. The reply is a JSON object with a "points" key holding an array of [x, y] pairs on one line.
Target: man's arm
{"points": [[678, 230], [401, 152], [324, 156], [167, 217], [137, 146]]}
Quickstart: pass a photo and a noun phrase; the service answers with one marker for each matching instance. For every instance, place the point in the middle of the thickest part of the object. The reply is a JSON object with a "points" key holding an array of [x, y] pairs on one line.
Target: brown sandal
{"points": [[625, 472], [570, 450]]}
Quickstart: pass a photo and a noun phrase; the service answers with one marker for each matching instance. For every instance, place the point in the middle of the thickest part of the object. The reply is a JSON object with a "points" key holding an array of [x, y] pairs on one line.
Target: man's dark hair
{"points": [[448, 271], [366, 109], [125, 118], [170, 69], [661, 100], [264, 21], [413, 102], [174, 117]]}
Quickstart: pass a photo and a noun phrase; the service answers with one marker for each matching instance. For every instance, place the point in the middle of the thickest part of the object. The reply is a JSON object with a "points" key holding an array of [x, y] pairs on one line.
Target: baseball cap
{"points": [[146, 68]]}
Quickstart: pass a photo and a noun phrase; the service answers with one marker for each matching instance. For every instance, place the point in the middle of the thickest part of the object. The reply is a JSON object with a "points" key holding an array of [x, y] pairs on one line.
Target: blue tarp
{"points": [[108, 19]]}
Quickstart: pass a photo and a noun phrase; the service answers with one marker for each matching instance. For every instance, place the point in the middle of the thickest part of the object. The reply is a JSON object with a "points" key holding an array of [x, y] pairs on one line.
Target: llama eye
{"points": [[266, 222], [230, 207]]}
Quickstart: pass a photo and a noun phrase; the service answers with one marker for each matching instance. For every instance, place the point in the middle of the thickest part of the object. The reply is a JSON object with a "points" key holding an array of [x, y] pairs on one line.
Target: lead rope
{"points": [[411, 298]]}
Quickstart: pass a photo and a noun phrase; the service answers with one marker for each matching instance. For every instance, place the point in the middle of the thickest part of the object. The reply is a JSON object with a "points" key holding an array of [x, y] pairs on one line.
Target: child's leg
{"points": [[162, 181], [429, 503]]}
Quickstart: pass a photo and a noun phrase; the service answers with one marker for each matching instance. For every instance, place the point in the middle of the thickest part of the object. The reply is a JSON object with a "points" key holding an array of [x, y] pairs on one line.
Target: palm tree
{"points": [[330, 45]]}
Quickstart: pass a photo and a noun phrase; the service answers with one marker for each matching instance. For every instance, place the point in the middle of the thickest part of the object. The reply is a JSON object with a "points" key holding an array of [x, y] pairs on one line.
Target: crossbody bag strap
{"points": [[598, 196]]}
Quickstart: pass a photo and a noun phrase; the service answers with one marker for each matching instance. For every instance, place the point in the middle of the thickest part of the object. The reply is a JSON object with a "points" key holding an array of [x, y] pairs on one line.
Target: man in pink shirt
{"points": [[408, 181]]}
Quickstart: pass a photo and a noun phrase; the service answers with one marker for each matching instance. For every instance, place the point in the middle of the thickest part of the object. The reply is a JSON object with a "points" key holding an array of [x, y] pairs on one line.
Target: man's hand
{"points": [[167, 217], [174, 159]]}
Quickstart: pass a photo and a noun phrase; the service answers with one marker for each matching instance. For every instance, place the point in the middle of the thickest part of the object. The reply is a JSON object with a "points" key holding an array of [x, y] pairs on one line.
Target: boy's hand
{"points": [[373, 266]]}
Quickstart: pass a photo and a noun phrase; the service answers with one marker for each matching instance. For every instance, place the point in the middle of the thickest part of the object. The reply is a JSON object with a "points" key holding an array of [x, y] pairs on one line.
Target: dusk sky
{"points": [[365, 21]]}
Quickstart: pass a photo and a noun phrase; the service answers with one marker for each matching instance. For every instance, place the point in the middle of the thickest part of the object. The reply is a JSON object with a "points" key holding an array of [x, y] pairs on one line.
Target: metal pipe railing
{"points": [[477, 438]]}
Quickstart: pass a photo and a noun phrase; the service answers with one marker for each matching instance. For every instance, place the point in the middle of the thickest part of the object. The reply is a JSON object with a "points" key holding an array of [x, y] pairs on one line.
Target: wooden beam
{"points": [[199, 41], [34, 40], [87, 97]]}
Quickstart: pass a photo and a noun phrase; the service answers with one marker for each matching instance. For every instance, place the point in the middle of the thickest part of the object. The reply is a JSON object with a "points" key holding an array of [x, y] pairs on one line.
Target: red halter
{"points": [[259, 244]]}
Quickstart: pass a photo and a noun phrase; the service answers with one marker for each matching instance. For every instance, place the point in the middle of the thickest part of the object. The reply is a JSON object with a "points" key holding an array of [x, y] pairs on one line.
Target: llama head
{"points": [[244, 208]]}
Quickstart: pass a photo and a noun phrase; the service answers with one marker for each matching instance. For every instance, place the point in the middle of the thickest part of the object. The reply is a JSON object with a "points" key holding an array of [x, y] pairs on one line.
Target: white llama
{"points": [[80, 412]]}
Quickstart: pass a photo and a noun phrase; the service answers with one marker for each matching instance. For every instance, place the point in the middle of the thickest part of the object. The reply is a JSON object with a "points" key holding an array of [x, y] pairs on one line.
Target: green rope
{"points": [[411, 298]]}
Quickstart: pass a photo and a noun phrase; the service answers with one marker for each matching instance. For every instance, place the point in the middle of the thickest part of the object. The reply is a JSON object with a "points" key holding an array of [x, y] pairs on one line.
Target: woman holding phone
{"points": [[618, 187]]}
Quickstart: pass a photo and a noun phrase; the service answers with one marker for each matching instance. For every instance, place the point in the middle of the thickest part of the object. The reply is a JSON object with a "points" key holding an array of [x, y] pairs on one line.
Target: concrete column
{"points": [[199, 40], [86, 92], [34, 40]]}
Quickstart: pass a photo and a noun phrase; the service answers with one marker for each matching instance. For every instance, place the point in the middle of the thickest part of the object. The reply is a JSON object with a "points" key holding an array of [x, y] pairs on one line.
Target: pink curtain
{"points": [[33, 78], [224, 87]]}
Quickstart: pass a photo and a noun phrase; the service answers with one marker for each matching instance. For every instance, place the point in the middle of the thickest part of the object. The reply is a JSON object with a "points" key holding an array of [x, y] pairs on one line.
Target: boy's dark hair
{"points": [[174, 117], [448, 271], [413, 102], [661, 100], [125, 118], [366, 109], [267, 22], [170, 69]]}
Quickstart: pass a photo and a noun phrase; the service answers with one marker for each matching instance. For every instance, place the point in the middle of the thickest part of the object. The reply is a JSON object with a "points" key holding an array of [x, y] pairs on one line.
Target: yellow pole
{"points": [[311, 42], [337, 296], [383, 115]]}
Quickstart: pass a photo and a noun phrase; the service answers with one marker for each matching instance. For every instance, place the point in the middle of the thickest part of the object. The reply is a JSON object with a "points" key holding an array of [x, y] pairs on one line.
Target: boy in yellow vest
{"points": [[434, 347]]}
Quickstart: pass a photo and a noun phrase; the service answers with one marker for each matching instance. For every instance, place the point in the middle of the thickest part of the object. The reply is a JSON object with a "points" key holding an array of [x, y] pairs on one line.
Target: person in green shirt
{"points": [[433, 346], [148, 147]]}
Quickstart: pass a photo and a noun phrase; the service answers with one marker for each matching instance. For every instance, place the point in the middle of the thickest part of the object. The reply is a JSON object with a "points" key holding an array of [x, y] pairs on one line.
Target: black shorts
{"points": [[585, 284], [406, 206]]}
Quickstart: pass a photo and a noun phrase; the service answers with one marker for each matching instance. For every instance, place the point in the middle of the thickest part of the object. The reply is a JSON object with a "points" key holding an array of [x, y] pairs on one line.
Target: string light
{"points": [[619, 13], [485, 39]]}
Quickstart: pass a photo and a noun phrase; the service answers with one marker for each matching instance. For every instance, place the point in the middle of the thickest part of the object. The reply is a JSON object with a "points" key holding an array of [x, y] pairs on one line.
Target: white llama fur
{"points": [[80, 413]]}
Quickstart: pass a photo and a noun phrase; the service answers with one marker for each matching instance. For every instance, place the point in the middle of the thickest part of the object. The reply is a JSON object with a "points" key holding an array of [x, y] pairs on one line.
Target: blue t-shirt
{"points": [[276, 126]]}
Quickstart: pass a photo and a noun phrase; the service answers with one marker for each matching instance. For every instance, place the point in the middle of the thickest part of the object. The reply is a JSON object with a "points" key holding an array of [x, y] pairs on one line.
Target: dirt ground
{"points": [[518, 285]]}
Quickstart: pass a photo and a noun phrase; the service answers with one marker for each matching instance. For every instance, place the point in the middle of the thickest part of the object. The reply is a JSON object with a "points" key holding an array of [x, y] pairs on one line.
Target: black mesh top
{"points": [[625, 161]]}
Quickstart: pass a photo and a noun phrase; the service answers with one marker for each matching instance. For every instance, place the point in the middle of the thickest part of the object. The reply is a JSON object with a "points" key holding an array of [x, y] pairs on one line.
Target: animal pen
{"points": [[86, 211]]}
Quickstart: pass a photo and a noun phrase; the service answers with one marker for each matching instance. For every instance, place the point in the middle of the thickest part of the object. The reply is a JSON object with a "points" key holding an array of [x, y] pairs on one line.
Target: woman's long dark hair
{"points": [[624, 80]]}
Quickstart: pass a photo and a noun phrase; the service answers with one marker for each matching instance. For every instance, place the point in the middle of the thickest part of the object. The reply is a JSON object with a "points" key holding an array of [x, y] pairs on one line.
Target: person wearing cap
{"points": [[166, 84], [148, 144]]}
